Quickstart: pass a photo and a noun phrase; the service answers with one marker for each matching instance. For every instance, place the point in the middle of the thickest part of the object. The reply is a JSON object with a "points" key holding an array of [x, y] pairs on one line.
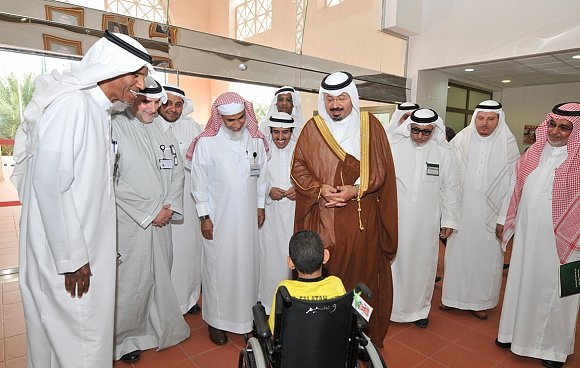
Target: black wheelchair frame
{"points": [[310, 334]]}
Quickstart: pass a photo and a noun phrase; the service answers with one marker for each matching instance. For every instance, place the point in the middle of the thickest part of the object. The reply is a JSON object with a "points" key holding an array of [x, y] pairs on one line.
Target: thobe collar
{"points": [[487, 139], [554, 151], [347, 133], [166, 124], [99, 96]]}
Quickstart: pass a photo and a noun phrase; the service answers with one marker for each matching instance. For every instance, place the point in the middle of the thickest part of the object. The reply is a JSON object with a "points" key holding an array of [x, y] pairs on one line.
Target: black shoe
{"points": [[218, 337], [551, 364], [504, 345], [195, 309], [131, 357], [422, 323]]}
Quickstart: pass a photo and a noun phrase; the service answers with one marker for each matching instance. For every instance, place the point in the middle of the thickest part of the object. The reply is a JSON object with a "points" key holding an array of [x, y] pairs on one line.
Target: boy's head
{"points": [[307, 253]]}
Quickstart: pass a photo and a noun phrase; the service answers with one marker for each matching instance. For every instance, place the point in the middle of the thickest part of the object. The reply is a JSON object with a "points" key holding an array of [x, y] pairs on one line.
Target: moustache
{"points": [[336, 109]]}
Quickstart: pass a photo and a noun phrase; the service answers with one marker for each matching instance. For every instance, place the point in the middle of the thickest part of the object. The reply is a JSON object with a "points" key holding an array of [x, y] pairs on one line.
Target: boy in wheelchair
{"points": [[307, 255], [314, 323]]}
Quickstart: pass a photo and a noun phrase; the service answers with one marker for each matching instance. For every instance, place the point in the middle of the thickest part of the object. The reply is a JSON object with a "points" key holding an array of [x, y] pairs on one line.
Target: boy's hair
{"points": [[306, 251]]}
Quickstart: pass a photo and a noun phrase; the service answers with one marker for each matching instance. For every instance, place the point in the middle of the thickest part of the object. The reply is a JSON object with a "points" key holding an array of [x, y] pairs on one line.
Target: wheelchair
{"points": [[310, 334]]}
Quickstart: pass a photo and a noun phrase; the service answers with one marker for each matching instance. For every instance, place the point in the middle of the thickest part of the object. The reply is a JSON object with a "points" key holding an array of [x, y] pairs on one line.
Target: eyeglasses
{"points": [[425, 132], [563, 128], [340, 99]]}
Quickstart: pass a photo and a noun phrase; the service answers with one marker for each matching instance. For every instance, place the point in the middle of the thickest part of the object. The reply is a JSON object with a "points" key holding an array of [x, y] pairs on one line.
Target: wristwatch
{"points": [[204, 217]]}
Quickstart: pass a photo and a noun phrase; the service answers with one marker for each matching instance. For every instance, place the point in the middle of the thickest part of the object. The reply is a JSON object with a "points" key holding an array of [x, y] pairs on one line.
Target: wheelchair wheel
{"points": [[376, 357], [253, 355]]}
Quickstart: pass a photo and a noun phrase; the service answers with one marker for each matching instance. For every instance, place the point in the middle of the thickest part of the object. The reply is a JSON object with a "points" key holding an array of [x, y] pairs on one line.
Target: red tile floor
{"points": [[453, 338]]}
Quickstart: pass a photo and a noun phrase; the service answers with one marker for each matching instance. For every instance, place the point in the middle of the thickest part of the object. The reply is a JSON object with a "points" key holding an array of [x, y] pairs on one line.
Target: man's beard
{"points": [[336, 118]]}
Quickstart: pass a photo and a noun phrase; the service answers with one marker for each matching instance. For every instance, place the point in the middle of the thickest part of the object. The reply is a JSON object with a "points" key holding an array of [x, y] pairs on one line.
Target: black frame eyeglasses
{"points": [[425, 132], [561, 127]]}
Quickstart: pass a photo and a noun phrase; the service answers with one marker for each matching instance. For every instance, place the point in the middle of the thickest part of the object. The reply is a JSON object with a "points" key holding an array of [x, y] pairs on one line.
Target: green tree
{"points": [[260, 111], [14, 96]]}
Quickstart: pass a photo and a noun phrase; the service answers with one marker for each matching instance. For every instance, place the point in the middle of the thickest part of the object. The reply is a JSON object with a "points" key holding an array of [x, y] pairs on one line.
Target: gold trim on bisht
{"points": [[329, 138], [341, 153]]}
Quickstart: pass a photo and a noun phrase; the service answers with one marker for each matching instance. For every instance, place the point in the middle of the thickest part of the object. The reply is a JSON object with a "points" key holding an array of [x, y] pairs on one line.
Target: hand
{"points": [[277, 193], [163, 217], [499, 232], [445, 232], [343, 194], [261, 217], [291, 194], [77, 283], [207, 229]]}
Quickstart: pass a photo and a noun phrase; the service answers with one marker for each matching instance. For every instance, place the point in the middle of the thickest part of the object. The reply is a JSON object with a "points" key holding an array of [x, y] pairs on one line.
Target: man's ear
{"points": [[326, 256], [290, 263]]}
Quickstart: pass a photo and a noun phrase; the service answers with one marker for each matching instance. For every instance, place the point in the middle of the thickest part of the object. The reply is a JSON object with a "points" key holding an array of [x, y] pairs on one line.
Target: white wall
{"points": [[456, 32], [529, 105]]}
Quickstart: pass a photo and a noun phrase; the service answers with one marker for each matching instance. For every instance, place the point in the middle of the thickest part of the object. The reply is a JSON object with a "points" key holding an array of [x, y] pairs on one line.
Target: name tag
{"points": [[254, 170], [165, 163], [432, 169]]}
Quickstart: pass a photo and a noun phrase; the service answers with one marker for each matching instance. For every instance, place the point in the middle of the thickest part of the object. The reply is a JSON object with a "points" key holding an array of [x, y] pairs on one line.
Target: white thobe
{"points": [[67, 221], [428, 198], [223, 187], [534, 318], [278, 227], [147, 311], [473, 255], [186, 234]]}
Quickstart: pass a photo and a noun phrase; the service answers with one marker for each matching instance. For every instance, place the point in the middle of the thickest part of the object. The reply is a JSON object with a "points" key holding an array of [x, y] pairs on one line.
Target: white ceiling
{"points": [[557, 67]]}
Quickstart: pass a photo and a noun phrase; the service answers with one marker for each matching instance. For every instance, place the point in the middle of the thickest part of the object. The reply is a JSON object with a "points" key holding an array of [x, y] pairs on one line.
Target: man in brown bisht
{"points": [[346, 192]]}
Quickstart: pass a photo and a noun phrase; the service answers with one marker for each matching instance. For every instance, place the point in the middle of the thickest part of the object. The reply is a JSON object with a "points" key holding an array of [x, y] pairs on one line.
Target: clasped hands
{"points": [[278, 193], [163, 217], [339, 196]]}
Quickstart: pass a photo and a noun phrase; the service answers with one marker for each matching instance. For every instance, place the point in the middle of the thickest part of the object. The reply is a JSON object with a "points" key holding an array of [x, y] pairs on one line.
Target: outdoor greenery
{"points": [[260, 111], [14, 97]]}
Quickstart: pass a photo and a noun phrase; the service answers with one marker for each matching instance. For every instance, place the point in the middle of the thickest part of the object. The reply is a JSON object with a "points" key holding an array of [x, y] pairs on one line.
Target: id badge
{"points": [[254, 170], [165, 164], [432, 169]]}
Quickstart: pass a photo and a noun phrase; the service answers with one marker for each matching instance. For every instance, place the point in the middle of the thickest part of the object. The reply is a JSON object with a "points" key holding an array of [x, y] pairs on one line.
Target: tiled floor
{"points": [[453, 339]]}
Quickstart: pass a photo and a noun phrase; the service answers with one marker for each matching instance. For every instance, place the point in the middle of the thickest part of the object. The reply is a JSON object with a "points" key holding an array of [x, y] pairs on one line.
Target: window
{"points": [[153, 10], [300, 20], [330, 3], [253, 17], [461, 102]]}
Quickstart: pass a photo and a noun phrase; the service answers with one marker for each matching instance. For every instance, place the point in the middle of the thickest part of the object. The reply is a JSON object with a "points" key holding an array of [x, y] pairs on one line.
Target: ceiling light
{"points": [[469, 69], [576, 57], [506, 81]]}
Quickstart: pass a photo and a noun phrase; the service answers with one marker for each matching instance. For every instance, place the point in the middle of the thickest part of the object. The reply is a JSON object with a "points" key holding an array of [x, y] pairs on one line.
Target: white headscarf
{"points": [[153, 90], [113, 55], [187, 102], [296, 112], [296, 102], [334, 85], [402, 109], [421, 117], [281, 120]]}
